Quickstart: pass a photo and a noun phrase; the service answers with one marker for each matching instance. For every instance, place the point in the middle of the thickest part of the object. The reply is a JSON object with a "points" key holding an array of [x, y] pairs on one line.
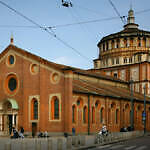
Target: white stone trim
{"points": [[7, 59], [37, 97], [58, 95], [11, 51]]}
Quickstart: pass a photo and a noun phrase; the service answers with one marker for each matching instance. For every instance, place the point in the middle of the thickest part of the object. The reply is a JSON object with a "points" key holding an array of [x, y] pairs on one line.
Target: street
{"points": [[142, 143]]}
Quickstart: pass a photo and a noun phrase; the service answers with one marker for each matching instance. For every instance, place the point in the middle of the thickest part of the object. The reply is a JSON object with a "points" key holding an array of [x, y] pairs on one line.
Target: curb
{"points": [[96, 145]]}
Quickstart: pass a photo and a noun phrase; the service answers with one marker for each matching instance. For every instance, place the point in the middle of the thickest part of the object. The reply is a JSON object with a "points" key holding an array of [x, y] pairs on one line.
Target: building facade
{"points": [[125, 55], [40, 95]]}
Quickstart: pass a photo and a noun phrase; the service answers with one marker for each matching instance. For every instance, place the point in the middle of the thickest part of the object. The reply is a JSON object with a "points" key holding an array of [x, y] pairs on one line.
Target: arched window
{"points": [[131, 42], [34, 109], [116, 116], [112, 44], [74, 114], [109, 116], [144, 42], [139, 58], [112, 61], [102, 115], [56, 109], [130, 60], [139, 41], [117, 60], [125, 42], [104, 47], [93, 115], [107, 46], [130, 117], [118, 43], [85, 114], [125, 60]]}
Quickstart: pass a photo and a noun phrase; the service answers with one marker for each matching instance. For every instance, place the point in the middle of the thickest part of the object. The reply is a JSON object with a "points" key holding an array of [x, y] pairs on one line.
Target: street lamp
{"points": [[132, 106], [144, 114]]}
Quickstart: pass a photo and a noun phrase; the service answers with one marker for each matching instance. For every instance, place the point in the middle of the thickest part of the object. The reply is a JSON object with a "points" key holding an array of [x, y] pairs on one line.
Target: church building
{"points": [[125, 55], [40, 95]]}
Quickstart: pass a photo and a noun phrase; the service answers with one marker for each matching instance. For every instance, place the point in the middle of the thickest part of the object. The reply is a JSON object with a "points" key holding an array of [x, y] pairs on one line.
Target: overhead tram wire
{"points": [[89, 10], [17, 26], [84, 27], [20, 14], [83, 22], [47, 30], [71, 24], [121, 17], [142, 11]]}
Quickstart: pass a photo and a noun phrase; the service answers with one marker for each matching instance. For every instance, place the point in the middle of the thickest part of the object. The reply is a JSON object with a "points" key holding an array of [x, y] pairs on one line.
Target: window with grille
{"points": [[35, 109], [56, 109]]}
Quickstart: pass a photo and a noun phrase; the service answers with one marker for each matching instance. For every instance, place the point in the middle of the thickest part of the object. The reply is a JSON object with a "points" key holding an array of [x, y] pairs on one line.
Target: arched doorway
{"points": [[8, 116]]}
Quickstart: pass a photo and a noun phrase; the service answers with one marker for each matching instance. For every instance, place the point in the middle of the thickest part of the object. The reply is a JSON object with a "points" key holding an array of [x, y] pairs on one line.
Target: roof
{"points": [[59, 67], [86, 87], [126, 33]]}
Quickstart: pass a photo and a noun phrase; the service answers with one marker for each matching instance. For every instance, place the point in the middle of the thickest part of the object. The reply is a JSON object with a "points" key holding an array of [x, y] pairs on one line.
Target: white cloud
{"points": [[63, 60], [73, 62]]}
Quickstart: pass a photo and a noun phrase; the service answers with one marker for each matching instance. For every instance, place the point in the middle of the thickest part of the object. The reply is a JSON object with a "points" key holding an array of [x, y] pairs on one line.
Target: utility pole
{"points": [[88, 114], [132, 106], [144, 114]]}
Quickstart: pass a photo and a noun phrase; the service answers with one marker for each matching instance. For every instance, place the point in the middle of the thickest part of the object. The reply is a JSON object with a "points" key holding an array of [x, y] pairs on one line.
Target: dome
{"points": [[120, 48]]}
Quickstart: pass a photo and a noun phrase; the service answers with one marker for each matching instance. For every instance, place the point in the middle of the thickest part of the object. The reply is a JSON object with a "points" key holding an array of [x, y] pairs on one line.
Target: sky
{"points": [[64, 35]]}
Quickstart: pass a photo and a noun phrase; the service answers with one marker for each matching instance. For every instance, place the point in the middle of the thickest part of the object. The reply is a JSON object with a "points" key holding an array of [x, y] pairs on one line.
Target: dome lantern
{"points": [[131, 20]]}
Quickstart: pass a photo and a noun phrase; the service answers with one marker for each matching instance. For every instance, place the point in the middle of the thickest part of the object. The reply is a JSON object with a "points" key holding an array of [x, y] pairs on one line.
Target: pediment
{"points": [[35, 60]]}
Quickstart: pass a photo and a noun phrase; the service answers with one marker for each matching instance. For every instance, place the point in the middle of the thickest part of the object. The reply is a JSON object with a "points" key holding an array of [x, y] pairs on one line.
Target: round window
{"points": [[55, 77], [34, 68], [12, 84]]}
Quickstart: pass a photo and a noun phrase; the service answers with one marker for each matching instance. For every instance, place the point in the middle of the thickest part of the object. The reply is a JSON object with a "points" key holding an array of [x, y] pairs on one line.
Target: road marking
{"points": [[117, 146], [128, 148], [141, 148], [104, 146]]}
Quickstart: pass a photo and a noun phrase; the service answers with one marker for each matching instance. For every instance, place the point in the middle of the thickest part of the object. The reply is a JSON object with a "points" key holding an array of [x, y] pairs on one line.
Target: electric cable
{"points": [[83, 22], [47, 30], [121, 17], [77, 17]]}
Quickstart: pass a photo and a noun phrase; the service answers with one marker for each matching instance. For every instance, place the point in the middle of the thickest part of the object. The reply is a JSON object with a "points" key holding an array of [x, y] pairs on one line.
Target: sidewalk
{"points": [[79, 142], [113, 138]]}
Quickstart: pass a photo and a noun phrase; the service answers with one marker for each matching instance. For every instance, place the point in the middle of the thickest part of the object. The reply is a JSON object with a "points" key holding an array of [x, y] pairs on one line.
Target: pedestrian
{"points": [[21, 132], [45, 134], [73, 131], [15, 133]]}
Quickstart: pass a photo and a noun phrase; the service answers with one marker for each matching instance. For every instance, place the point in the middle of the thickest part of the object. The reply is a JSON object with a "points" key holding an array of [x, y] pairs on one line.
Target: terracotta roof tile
{"points": [[105, 90]]}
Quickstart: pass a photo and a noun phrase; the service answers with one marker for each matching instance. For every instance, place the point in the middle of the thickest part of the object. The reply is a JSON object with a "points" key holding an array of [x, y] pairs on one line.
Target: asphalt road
{"points": [[142, 143]]}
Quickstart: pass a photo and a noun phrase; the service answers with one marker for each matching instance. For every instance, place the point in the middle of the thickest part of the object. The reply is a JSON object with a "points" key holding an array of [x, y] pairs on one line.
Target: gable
{"points": [[33, 59]]}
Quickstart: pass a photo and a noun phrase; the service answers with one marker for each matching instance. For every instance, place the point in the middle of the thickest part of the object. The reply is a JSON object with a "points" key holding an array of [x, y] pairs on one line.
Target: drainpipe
{"points": [[88, 114]]}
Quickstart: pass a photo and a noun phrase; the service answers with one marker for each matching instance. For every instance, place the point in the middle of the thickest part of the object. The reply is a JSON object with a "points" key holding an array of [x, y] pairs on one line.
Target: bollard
{"points": [[69, 143], [96, 139], [73, 140], [38, 144], [102, 139], [59, 144], [76, 141], [24, 145], [8, 146], [79, 139], [50, 144], [82, 138]]}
